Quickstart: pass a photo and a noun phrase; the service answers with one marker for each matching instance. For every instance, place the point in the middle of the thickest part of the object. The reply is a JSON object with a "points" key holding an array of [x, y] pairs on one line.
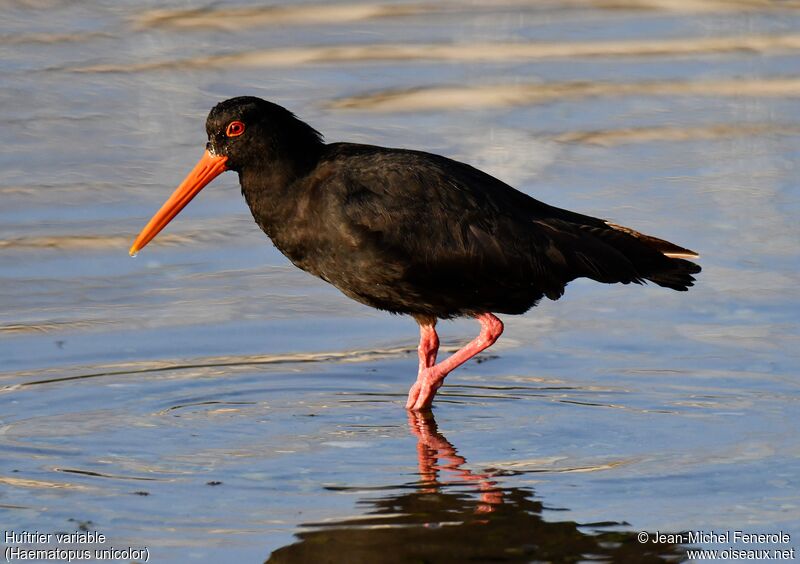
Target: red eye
{"points": [[235, 128]]}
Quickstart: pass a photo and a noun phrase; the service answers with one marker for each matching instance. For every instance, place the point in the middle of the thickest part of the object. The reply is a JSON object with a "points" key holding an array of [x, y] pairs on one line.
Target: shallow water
{"points": [[210, 402]]}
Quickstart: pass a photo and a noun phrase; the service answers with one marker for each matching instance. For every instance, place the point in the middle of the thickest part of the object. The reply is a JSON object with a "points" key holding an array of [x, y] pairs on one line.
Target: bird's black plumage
{"points": [[412, 232], [416, 233]]}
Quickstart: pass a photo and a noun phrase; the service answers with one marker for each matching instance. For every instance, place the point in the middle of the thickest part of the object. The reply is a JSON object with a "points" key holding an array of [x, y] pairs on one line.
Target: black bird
{"points": [[411, 232]]}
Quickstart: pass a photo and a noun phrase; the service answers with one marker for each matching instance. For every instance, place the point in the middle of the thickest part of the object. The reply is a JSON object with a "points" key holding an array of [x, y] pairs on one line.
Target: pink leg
{"points": [[428, 346], [431, 376]]}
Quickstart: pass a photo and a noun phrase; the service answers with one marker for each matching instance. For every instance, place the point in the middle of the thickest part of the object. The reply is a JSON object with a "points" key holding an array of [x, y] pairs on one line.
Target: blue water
{"points": [[209, 402]]}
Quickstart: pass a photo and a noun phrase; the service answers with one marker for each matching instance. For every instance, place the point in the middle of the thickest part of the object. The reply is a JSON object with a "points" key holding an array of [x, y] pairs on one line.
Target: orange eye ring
{"points": [[234, 129]]}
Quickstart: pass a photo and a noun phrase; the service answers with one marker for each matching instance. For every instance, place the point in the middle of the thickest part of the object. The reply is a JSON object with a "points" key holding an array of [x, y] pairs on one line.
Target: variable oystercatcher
{"points": [[411, 232]]}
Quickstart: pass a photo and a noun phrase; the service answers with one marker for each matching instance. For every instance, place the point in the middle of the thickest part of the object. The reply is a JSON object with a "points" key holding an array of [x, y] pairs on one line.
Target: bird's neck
{"points": [[267, 186]]}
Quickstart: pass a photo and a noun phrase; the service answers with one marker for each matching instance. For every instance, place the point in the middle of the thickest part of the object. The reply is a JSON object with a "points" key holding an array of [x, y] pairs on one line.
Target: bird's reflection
{"points": [[453, 514], [436, 455]]}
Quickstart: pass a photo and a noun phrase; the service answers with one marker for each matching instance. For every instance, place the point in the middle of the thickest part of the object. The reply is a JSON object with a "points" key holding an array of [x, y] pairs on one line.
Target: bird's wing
{"points": [[441, 218]]}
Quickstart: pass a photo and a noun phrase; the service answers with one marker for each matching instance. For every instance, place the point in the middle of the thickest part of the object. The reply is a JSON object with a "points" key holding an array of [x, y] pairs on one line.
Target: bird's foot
{"points": [[424, 389]]}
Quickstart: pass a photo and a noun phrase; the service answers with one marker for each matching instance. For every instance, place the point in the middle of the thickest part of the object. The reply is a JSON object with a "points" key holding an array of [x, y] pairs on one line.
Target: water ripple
{"points": [[38, 377], [443, 98], [234, 18], [467, 52]]}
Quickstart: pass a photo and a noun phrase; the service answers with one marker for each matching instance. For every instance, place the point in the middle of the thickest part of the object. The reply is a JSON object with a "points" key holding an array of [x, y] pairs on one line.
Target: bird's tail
{"points": [[671, 269]]}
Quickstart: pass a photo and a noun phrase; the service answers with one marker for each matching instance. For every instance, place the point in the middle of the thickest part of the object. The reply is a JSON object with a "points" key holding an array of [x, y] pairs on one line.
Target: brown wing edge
{"points": [[666, 248]]}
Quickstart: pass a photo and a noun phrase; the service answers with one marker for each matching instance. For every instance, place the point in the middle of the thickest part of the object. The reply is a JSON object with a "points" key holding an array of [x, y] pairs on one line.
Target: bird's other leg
{"points": [[428, 344], [431, 377]]}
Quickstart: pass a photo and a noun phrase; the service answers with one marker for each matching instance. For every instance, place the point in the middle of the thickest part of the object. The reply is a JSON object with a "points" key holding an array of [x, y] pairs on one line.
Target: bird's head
{"points": [[243, 132]]}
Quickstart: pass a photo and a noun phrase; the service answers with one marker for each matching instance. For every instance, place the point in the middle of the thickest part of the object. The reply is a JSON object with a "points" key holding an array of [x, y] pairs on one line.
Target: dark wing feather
{"points": [[458, 241]]}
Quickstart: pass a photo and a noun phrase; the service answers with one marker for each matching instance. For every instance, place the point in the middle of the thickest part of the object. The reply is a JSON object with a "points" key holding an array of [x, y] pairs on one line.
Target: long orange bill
{"points": [[209, 167]]}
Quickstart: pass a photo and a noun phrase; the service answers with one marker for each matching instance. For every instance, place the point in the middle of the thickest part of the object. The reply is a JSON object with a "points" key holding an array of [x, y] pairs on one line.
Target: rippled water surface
{"points": [[209, 402]]}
